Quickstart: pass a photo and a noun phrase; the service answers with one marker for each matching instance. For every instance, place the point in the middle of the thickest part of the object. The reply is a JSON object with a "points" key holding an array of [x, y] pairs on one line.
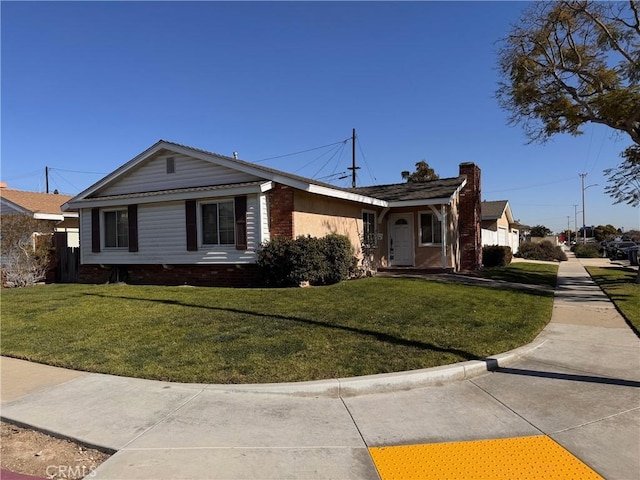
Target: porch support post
{"points": [[382, 214]]}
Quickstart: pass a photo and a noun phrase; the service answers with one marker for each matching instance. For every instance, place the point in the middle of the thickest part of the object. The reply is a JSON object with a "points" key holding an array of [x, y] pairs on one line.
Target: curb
{"points": [[385, 382]]}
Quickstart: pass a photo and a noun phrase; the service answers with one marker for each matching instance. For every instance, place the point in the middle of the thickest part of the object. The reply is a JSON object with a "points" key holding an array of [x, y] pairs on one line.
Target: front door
{"points": [[401, 242]]}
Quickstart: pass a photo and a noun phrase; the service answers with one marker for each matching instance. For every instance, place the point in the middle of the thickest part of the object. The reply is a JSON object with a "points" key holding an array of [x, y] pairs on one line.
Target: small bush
{"points": [[589, 250], [496, 256], [544, 250], [341, 263], [320, 261]]}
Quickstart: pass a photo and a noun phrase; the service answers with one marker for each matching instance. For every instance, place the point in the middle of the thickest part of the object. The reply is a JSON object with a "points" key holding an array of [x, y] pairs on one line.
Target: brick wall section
{"points": [[281, 211], [470, 219], [196, 275]]}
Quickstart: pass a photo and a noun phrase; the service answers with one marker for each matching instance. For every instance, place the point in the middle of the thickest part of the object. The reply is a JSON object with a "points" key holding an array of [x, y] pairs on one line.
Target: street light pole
{"points": [[584, 226], [575, 221]]}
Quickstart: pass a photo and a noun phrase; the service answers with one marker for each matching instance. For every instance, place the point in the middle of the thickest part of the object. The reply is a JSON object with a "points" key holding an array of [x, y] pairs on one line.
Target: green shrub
{"points": [[496, 256], [544, 250], [320, 261], [589, 250], [341, 263]]}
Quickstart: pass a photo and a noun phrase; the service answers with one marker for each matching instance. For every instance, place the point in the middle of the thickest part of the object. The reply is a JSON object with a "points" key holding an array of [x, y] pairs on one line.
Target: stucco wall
{"points": [[320, 216]]}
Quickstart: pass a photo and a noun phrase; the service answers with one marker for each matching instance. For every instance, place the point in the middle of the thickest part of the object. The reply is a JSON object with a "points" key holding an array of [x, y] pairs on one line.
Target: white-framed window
{"points": [[116, 228], [430, 229], [369, 233], [217, 222]]}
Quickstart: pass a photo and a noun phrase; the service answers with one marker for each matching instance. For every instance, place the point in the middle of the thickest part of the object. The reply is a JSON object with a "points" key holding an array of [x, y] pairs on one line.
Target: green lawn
{"points": [[217, 335], [525, 272], [619, 284]]}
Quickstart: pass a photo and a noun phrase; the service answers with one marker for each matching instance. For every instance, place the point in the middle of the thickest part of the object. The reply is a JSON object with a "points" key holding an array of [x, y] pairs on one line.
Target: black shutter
{"points": [[192, 225], [95, 230], [241, 222], [133, 227]]}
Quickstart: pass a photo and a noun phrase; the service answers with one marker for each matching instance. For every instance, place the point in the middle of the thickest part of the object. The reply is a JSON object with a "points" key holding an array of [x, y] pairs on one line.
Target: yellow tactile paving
{"points": [[523, 458]]}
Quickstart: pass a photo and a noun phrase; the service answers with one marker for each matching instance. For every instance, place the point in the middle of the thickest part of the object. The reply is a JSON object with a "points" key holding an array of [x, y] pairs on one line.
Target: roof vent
{"points": [[235, 155]]}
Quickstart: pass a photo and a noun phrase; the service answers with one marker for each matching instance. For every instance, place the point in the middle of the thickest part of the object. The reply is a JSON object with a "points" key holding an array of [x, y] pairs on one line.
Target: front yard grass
{"points": [[219, 335], [525, 272], [620, 285]]}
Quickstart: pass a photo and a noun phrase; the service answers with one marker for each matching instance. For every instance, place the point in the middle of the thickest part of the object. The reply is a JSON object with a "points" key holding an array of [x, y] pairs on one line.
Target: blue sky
{"points": [[86, 86]]}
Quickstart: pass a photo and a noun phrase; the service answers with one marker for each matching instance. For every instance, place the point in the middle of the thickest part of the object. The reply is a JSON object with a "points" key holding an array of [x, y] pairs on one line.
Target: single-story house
{"points": [[498, 225], [180, 215], [42, 206]]}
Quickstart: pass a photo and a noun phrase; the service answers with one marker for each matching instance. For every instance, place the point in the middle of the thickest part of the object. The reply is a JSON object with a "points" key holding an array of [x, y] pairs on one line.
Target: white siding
{"points": [[152, 176], [162, 239], [265, 235]]}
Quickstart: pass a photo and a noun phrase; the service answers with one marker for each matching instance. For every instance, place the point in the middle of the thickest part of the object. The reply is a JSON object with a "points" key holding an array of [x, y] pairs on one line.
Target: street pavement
{"points": [[578, 384]]}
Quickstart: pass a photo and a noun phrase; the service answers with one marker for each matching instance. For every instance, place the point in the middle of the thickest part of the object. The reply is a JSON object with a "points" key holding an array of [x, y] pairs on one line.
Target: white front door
{"points": [[401, 241]]}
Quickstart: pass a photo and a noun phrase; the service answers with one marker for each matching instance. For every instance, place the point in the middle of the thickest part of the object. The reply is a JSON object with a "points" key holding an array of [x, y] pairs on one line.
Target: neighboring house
{"points": [[181, 215], [498, 225], [41, 206]]}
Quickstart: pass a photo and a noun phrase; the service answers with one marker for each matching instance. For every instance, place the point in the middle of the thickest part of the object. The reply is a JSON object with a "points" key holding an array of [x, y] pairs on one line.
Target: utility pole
{"points": [[46, 178], [568, 230], [353, 167]]}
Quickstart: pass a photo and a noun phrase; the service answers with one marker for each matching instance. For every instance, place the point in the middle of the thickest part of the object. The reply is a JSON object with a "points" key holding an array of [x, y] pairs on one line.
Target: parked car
{"points": [[620, 250]]}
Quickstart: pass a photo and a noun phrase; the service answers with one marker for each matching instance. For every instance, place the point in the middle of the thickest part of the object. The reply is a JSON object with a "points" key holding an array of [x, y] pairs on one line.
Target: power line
{"points": [[532, 186], [302, 151], [366, 164], [335, 149], [75, 171]]}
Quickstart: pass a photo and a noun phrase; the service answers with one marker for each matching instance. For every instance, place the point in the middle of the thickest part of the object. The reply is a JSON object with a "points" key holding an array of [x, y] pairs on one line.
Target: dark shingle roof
{"points": [[493, 210], [398, 192]]}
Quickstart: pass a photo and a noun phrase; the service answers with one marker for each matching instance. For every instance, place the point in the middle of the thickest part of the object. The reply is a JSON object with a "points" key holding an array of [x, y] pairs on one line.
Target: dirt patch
{"points": [[34, 453]]}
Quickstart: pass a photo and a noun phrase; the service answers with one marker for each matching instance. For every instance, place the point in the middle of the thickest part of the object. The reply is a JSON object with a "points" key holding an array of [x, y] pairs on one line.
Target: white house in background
{"points": [[498, 225]]}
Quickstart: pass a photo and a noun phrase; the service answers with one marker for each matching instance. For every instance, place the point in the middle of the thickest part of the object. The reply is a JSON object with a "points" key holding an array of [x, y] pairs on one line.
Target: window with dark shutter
{"points": [[133, 228], [241, 222], [191, 225], [95, 230]]}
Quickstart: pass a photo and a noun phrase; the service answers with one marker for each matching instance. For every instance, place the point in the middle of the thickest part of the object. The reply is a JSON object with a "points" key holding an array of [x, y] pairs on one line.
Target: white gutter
{"points": [[354, 197], [154, 197], [420, 203], [48, 216]]}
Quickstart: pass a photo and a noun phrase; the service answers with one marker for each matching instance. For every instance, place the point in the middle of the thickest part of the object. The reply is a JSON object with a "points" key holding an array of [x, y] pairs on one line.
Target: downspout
{"points": [[444, 228]]}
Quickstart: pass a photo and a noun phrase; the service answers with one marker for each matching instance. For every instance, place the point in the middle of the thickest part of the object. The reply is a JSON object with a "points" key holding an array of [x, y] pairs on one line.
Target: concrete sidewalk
{"points": [[578, 384]]}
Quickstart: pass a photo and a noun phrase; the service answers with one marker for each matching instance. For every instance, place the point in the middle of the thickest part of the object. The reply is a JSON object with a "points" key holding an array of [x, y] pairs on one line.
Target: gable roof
{"points": [[494, 210], [44, 206], [405, 194]]}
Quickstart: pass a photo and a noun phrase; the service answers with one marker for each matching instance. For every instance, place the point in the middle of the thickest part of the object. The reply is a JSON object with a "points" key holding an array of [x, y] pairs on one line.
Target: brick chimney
{"points": [[470, 219]]}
